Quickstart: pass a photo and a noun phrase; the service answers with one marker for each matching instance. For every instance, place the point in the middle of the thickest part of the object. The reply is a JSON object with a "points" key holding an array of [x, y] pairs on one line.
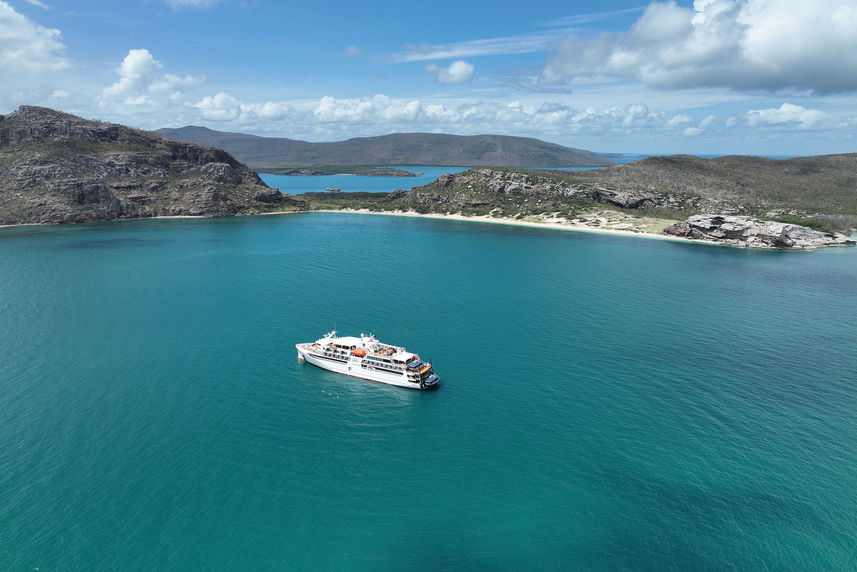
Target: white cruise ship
{"points": [[367, 358]]}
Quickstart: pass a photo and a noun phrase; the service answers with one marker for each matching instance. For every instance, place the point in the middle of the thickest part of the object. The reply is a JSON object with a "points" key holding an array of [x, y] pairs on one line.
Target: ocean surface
{"points": [[606, 402]]}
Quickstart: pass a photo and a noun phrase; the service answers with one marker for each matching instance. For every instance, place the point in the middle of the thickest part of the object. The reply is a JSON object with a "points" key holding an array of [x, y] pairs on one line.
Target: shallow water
{"points": [[297, 184]]}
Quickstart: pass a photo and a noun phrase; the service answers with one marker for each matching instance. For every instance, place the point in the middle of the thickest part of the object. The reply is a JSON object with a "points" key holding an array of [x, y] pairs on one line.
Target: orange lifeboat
{"points": [[359, 352]]}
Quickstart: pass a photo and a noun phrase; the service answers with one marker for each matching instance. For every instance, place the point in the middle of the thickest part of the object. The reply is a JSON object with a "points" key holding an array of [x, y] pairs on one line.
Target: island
{"points": [[359, 170]]}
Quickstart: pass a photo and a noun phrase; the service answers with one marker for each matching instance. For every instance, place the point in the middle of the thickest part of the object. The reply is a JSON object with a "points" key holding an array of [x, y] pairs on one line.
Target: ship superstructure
{"points": [[368, 358]]}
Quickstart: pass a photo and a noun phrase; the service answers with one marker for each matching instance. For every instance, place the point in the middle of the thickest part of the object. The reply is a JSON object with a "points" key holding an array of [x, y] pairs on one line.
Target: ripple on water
{"points": [[605, 402]]}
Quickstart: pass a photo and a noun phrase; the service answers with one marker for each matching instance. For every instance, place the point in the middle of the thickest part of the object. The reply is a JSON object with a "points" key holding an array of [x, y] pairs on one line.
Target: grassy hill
{"points": [[272, 153], [804, 185]]}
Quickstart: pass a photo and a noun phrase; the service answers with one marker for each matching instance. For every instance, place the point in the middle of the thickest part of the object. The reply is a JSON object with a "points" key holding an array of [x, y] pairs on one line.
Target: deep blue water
{"points": [[606, 402]]}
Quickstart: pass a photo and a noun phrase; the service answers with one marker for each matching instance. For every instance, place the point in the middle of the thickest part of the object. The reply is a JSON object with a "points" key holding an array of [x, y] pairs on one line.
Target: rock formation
{"points": [[754, 233], [499, 182], [59, 168]]}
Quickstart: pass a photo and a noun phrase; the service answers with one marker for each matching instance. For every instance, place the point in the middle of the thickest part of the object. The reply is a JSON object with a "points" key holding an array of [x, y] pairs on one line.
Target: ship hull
{"points": [[353, 368]]}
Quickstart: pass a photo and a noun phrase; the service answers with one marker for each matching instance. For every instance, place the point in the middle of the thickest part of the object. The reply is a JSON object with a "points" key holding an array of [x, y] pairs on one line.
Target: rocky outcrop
{"points": [[509, 183], [516, 183], [506, 193], [754, 233], [59, 168]]}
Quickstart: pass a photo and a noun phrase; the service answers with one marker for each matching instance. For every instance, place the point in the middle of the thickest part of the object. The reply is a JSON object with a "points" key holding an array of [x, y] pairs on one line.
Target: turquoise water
{"points": [[606, 402], [297, 184]]}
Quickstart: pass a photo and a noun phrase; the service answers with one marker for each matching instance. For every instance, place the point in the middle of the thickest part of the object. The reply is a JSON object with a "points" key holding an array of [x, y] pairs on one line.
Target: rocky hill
{"points": [[818, 192], [801, 186], [396, 149], [59, 168]]}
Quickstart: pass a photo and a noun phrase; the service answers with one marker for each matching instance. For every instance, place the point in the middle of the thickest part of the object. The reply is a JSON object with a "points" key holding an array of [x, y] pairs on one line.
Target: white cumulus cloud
{"points": [[458, 71], [377, 109], [786, 113], [26, 47], [383, 114], [140, 82], [221, 107], [136, 73], [680, 119], [632, 126], [737, 44]]}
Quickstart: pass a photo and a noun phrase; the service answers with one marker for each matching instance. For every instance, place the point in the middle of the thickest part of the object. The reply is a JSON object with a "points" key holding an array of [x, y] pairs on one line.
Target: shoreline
{"points": [[546, 224], [24, 224], [551, 224]]}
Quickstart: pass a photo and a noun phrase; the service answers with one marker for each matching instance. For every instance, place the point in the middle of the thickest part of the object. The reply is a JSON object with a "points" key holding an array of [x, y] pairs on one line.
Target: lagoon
{"points": [[297, 184]]}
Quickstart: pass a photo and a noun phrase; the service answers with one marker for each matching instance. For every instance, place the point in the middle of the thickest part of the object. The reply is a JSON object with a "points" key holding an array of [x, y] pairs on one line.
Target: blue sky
{"points": [[774, 77]]}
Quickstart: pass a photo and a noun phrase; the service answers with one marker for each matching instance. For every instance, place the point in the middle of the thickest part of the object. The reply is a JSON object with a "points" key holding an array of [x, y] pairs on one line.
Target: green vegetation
{"points": [[471, 203], [286, 208], [819, 192], [356, 200], [821, 223], [806, 186]]}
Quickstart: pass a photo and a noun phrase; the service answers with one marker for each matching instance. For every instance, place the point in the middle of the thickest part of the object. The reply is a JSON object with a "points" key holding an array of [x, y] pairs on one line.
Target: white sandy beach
{"points": [[618, 225], [608, 222]]}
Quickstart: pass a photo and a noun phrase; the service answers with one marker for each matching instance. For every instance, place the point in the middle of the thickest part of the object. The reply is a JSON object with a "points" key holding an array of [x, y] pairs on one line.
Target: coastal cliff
{"points": [[60, 168]]}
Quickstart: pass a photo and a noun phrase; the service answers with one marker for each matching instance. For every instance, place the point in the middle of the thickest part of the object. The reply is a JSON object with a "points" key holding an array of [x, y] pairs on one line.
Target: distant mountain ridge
{"points": [[394, 149]]}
